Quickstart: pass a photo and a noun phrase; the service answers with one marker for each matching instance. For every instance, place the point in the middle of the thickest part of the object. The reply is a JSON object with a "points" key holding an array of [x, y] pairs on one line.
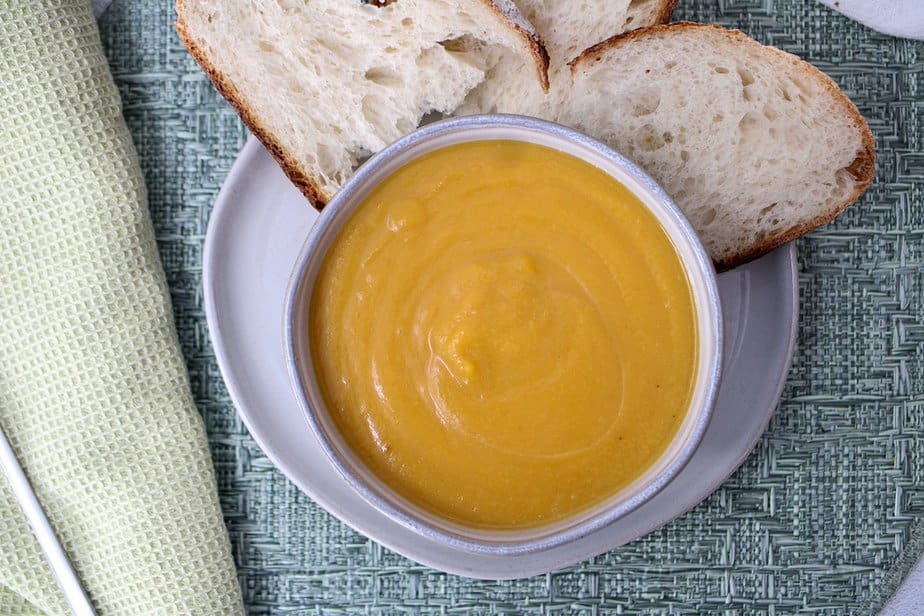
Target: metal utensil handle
{"points": [[60, 565]]}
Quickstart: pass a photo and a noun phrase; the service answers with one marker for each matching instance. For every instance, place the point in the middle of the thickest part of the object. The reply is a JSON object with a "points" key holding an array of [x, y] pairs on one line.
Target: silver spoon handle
{"points": [[60, 565]]}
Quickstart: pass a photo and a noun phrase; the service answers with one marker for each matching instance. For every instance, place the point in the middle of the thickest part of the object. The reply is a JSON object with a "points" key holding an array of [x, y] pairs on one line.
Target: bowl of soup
{"points": [[504, 334]]}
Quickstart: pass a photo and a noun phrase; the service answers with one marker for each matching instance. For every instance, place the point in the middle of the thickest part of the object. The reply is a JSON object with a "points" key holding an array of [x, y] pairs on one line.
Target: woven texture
{"points": [[816, 517], [93, 391]]}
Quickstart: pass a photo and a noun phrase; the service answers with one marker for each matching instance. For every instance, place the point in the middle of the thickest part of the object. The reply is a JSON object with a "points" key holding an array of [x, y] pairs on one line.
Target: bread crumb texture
{"points": [[326, 83], [755, 145]]}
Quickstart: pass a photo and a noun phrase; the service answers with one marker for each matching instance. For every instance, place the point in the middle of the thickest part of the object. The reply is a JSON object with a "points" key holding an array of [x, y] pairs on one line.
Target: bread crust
{"points": [[862, 168], [667, 11], [309, 187], [508, 11]]}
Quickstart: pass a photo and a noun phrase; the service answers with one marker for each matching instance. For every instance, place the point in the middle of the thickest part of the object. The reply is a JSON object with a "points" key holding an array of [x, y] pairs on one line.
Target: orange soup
{"points": [[504, 334]]}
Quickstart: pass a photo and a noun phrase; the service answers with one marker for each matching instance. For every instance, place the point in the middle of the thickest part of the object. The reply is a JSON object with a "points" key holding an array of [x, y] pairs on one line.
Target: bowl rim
{"points": [[339, 210]]}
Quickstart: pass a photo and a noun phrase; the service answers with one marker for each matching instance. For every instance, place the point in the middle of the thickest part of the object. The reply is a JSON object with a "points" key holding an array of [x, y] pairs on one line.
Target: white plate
{"points": [[255, 233], [903, 18]]}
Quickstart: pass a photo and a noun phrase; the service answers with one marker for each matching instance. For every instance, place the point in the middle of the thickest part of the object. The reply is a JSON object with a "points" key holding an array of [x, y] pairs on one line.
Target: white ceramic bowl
{"points": [[700, 273]]}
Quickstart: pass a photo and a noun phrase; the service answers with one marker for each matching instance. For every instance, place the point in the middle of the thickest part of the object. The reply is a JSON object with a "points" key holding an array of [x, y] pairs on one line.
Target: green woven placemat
{"points": [[814, 519]]}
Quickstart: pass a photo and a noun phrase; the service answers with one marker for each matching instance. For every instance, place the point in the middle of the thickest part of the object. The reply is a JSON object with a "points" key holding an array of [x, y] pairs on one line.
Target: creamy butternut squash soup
{"points": [[504, 334]]}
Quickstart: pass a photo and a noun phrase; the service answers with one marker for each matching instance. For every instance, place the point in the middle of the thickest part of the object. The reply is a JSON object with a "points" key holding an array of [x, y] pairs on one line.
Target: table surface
{"points": [[817, 516]]}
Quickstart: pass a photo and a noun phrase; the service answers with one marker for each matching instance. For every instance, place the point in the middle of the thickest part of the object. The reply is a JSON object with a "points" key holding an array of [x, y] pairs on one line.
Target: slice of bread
{"points": [[756, 146], [323, 84], [566, 27]]}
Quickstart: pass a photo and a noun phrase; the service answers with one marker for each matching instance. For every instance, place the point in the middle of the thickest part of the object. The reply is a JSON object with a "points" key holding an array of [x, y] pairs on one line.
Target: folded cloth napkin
{"points": [[94, 394]]}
